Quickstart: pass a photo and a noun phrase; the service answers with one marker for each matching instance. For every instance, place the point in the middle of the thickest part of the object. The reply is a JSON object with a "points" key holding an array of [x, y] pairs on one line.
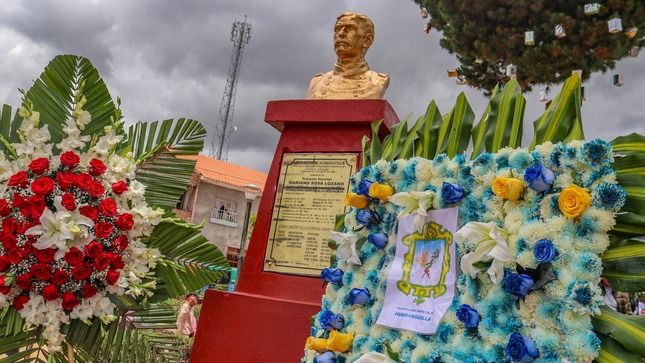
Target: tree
{"points": [[487, 35]]}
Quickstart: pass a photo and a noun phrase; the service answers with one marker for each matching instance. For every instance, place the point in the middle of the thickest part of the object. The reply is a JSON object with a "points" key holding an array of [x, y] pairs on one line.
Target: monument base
{"points": [[276, 333]]}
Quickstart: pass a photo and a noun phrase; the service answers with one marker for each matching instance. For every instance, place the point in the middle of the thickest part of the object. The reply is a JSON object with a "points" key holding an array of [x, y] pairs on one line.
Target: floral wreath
{"points": [[71, 226]]}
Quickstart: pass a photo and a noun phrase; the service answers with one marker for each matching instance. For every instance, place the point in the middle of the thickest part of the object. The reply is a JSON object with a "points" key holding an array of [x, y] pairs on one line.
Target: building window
{"points": [[187, 199], [224, 213]]}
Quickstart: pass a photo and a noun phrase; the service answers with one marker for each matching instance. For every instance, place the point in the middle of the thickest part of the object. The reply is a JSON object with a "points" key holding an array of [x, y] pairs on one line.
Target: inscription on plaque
{"points": [[310, 193]]}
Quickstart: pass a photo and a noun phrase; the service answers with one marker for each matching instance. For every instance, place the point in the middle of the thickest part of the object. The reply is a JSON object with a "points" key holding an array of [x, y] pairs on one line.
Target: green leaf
{"points": [[366, 160], [630, 164], [428, 142], [628, 330], [408, 148], [456, 128], [376, 148], [393, 143], [634, 185], [624, 264], [505, 121], [562, 119], [612, 352], [479, 131], [629, 224], [631, 144]]}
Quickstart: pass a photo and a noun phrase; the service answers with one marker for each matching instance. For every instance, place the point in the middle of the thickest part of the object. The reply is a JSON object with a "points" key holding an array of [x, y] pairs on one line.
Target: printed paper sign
{"points": [[421, 282]]}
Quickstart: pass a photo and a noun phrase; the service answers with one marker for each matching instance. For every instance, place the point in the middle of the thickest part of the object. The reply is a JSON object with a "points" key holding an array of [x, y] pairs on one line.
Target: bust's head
{"points": [[353, 35]]}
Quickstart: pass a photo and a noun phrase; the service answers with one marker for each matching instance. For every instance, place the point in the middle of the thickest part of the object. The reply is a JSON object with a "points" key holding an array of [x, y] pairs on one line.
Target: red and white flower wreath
{"points": [[70, 227]]}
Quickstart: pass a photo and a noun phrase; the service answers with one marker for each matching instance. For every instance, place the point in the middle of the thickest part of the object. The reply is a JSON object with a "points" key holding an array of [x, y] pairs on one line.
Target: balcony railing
{"points": [[223, 215]]}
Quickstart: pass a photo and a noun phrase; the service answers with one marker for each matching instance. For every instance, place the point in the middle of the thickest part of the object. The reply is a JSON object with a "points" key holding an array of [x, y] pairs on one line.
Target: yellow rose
{"points": [[380, 191], [508, 188], [355, 200], [316, 344], [339, 342], [573, 201]]}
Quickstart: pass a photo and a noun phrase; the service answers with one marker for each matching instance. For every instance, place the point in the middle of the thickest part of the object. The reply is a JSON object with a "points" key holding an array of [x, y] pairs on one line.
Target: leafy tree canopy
{"points": [[484, 32]]}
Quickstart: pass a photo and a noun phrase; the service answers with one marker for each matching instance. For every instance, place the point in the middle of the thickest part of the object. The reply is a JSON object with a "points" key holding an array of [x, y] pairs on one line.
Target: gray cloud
{"points": [[170, 59]]}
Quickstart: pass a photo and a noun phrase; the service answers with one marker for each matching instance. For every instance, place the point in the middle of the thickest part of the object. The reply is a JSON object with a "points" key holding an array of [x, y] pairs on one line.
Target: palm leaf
{"points": [[505, 120], [393, 143], [562, 120], [191, 262], [63, 83], [628, 330], [427, 144], [631, 144], [156, 146], [376, 148], [612, 352], [454, 134], [479, 131], [624, 264]]}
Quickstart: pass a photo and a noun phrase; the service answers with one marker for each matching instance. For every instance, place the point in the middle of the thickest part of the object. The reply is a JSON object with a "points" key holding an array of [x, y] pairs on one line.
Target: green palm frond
{"points": [[427, 143], [190, 262], [505, 120], [155, 146], [479, 131]]}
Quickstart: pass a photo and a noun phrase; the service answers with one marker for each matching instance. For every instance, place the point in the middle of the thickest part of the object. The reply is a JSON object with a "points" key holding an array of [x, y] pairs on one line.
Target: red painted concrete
{"points": [[307, 126]]}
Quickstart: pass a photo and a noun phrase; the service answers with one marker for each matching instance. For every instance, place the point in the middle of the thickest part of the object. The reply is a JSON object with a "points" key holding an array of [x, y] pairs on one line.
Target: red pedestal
{"points": [[267, 319]]}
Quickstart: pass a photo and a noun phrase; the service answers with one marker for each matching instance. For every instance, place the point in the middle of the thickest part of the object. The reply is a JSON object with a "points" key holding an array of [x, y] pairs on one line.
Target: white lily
{"points": [[346, 246], [490, 245], [61, 229], [373, 357], [416, 203]]}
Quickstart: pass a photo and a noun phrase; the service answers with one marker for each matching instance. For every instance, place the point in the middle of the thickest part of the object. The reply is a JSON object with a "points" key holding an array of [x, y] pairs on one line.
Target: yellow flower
{"points": [[339, 342], [316, 344], [508, 188], [573, 201], [380, 191], [355, 200]]}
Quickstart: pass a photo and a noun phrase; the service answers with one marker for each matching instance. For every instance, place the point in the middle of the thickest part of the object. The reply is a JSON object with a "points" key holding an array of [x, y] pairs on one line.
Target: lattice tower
{"points": [[240, 36]]}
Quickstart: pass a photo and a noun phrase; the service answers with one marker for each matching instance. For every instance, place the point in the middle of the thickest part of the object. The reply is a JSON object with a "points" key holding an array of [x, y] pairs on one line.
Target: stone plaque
{"points": [[310, 193]]}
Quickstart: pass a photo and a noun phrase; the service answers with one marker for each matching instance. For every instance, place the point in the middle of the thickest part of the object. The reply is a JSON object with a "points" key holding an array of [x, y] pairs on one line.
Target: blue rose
{"points": [[365, 217], [379, 240], [544, 250], [451, 193], [332, 275], [330, 321], [521, 349], [539, 178], [468, 316], [364, 188], [327, 357], [359, 296], [519, 284]]}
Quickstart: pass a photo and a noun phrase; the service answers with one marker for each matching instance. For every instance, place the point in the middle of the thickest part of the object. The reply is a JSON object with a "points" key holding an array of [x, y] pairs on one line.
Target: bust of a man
{"points": [[351, 77]]}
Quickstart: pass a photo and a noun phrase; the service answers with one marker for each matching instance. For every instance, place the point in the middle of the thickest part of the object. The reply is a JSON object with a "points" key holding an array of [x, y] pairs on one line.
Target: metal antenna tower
{"points": [[240, 36]]}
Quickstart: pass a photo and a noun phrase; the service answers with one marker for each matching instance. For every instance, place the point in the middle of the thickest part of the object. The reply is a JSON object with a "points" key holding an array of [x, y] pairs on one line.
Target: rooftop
{"points": [[225, 172]]}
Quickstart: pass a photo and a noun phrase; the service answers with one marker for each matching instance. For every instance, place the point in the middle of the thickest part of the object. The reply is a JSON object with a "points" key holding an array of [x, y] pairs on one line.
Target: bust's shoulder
{"points": [[379, 78]]}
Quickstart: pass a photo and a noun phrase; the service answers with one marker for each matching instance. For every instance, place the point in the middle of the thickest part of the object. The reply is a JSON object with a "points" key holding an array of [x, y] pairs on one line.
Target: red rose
{"points": [[103, 229], [119, 187], [117, 262], [102, 261], [93, 249], [4, 263], [120, 243], [8, 225], [5, 209], [74, 256], [45, 256], [96, 189], [9, 241], [66, 179], [28, 248], [5, 289], [39, 166], [20, 301], [43, 185], [90, 212], [50, 292], [68, 201], [40, 271], [89, 290], [82, 271], [112, 277], [84, 181], [19, 179], [18, 201], [36, 200], [69, 159], [24, 281], [69, 300], [16, 255], [97, 167], [125, 221], [60, 277], [107, 207]]}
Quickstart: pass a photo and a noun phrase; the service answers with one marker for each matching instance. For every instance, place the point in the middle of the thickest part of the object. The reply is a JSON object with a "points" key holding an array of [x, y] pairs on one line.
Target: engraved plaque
{"points": [[310, 193]]}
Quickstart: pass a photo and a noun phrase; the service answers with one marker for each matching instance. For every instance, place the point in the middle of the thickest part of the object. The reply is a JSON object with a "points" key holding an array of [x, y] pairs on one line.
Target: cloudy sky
{"points": [[170, 59]]}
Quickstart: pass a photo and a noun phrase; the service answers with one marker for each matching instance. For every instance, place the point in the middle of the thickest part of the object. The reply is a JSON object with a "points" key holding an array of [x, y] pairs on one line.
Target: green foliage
{"points": [[473, 30], [163, 150]]}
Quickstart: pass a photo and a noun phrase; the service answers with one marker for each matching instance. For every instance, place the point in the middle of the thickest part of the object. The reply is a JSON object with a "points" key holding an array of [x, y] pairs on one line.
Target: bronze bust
{"points": [[351, 77]]}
